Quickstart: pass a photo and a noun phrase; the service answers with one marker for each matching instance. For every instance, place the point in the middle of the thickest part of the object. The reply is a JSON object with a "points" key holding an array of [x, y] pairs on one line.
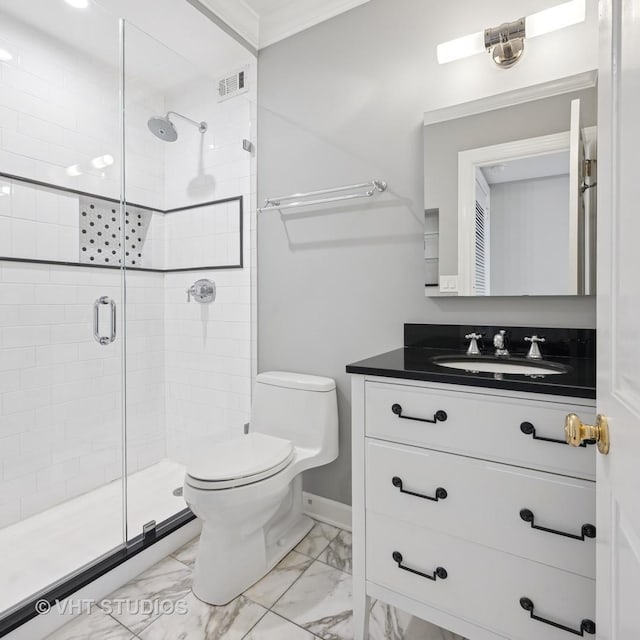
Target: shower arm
{"points": [[202, 126]]}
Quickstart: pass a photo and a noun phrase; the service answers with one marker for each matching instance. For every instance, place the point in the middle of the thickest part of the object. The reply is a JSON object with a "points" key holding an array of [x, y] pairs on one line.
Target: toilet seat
{"points": [[241, 461]]}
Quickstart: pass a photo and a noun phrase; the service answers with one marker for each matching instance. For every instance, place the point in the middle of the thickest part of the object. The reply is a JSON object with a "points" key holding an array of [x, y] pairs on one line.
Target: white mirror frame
{"points": [[467, 163]]}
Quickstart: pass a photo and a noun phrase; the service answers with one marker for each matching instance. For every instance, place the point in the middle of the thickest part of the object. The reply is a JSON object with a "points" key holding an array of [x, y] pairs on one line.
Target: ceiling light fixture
{"points": [[505, 42], [78, 4], [5, 55]]}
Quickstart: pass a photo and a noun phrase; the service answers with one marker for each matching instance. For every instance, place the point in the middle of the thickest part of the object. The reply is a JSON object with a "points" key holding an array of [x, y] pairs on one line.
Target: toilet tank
{"points": [[299, 407]]}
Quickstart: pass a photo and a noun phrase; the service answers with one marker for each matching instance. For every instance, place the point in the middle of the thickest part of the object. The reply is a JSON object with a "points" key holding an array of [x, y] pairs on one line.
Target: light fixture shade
{"points": [[555, 18], [558, 17], [461, 47]]}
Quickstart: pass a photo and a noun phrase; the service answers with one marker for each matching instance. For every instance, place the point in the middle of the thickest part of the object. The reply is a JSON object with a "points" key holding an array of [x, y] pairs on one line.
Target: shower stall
{"points": [[126, 190]]}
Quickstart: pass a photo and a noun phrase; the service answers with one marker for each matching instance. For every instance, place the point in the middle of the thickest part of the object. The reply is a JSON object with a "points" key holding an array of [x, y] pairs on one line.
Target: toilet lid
{"points": [[242, 457]]}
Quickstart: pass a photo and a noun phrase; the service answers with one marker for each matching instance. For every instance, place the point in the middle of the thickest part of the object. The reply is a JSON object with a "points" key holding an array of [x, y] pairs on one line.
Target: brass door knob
{"points": [[575, 432]]}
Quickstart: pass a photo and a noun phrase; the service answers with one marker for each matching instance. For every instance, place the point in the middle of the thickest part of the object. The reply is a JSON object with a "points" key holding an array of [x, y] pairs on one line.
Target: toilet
{"points": [[247, 491]]}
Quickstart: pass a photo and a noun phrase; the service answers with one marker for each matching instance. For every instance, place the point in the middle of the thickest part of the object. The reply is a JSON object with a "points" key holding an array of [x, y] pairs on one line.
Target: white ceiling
{"points": [[542, 166], [263, 22]]}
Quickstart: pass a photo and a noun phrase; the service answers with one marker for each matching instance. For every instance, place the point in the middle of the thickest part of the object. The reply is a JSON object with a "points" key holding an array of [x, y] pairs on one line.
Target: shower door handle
{"points": [[104, 340]]}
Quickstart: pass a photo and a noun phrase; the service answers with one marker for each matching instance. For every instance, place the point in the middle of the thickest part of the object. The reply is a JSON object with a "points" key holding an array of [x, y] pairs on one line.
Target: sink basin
{"points": [[489, 364]]}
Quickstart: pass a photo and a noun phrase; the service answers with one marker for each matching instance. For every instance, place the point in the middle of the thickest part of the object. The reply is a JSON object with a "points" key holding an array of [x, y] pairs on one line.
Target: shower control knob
{"points": [[202, 291]]}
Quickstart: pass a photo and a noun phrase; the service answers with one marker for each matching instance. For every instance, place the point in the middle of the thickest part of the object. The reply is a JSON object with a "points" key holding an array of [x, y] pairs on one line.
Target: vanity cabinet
{"points": [[470, 511]]}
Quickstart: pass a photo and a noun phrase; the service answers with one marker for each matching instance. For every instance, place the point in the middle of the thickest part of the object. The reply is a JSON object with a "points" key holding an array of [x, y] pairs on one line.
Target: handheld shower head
{"points": [[163, 128]]}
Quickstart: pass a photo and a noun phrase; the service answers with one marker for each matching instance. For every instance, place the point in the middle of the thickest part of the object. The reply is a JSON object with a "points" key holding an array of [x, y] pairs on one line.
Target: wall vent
{"points": [[233, 85]]}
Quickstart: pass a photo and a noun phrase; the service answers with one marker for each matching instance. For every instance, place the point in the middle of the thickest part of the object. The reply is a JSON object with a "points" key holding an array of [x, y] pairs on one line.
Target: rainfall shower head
{"points": [[163, 128]]}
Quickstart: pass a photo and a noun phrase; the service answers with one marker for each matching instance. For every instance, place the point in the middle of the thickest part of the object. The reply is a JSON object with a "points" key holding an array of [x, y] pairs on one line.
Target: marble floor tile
{"points": [[96, 625], [338, 553], [320, 601], [279, 579], [169, 580], [388, 623], [310, 599], [273, 627], [316, 541], [206, 622], [187, 553]]}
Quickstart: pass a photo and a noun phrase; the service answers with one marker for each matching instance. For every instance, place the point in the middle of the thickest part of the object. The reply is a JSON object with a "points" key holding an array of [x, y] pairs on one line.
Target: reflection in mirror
{"points": [[510, 199], [514, 200]]}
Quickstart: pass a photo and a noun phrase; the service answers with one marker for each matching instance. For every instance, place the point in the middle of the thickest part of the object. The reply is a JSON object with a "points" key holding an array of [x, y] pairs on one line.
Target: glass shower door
{"points": [[187, 186], [61, 302]]}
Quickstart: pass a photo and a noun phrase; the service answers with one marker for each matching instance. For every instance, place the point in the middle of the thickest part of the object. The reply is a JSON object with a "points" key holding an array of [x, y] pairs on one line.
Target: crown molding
{"points": [[238, 15], [296, 16], [577, 82]]}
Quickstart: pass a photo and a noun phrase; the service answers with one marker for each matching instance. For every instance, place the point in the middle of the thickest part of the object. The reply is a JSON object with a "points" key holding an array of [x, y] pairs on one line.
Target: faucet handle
{"points": [[534, 351], [473, 349]]}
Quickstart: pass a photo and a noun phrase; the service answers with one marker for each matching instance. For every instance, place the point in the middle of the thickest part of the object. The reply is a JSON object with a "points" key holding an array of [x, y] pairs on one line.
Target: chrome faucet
{"points": [[534, 351], [500, 343], [473, 349]]}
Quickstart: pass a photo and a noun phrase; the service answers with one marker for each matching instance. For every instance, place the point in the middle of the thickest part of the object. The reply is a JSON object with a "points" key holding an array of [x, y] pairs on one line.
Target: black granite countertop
{"points": [[574, 350]]}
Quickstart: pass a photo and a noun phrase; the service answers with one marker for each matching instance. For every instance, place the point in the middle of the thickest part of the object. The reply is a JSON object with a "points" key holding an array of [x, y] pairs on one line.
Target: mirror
{"points": [[510, 194]]}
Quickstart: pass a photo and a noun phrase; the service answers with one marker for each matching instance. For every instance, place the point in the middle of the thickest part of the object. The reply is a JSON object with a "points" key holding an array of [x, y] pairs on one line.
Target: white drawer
{"points": [[483, 503], [481, 426], [482, 585]]}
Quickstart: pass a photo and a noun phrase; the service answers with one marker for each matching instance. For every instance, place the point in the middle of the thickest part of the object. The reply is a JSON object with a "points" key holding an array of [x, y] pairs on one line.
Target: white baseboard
{"points": [[325, 510]]}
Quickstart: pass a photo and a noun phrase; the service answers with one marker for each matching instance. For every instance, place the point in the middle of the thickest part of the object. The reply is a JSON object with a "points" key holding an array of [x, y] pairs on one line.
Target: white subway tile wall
{"points": [[60, 391], [188, 365], [38, 223], [202, 237], [208, 360], [59, 111], [213, 165]]}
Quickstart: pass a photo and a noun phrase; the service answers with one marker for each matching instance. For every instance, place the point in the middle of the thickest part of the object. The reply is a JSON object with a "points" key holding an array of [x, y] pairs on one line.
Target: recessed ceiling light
{"points": [[74, 170], [78, 4], [5, 55]]}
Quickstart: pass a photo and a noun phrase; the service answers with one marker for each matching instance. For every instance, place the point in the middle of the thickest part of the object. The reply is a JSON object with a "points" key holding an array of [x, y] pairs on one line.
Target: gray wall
{"points": [[340, 103]]}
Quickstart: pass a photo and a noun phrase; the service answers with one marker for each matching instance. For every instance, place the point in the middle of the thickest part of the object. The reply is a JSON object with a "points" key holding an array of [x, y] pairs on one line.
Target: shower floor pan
{"points": [[48, 546]]}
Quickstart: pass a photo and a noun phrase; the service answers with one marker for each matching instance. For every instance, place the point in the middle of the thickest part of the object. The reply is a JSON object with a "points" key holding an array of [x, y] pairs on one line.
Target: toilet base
{"points": [[229, 562]]}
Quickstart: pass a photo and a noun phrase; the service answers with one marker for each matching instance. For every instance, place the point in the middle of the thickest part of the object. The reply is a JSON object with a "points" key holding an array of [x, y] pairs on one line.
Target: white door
{"points": [[618, 473], [576, 201]]}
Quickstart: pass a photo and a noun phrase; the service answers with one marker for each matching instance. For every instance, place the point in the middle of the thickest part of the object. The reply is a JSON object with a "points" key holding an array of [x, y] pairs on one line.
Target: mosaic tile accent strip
{"points": [[100, 241]]}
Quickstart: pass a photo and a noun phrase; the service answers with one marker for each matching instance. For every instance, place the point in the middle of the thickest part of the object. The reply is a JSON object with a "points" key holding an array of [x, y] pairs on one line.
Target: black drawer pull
{"points": [[528, 429], [438, 416], [440, 572], [441, 493], [588, 530], [586, 626]]}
